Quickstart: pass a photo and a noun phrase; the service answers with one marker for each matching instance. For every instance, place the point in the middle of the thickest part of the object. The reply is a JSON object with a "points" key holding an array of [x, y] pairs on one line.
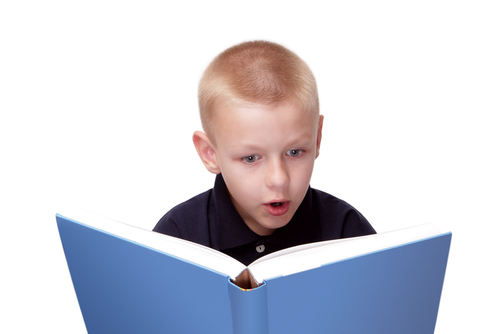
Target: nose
{"points": [[277, 174]]}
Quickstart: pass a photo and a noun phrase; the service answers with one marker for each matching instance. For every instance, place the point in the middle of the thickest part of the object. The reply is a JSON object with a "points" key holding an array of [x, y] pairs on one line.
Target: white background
{"points": [[98, 105]]}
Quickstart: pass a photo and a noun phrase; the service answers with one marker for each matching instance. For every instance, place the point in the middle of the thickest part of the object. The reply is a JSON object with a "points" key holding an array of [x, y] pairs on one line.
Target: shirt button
{"points": [[260, 248]]}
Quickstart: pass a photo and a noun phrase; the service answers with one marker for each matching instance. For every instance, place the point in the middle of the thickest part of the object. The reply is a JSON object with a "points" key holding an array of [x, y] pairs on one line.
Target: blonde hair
{"points": [[257, 72]]}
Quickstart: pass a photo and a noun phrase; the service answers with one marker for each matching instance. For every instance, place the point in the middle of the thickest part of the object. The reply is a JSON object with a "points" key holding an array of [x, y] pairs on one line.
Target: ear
{"points": [[320, 134], [206, 152]]}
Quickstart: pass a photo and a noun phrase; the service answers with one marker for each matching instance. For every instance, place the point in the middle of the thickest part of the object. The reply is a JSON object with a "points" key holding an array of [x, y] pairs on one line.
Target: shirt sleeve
{"points": [[339, 219], [355, 225], [188, 220], [167, 226]]}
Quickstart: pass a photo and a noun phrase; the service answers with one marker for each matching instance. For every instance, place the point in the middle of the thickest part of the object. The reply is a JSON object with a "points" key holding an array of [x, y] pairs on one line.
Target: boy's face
{"points": [[266, 155]]}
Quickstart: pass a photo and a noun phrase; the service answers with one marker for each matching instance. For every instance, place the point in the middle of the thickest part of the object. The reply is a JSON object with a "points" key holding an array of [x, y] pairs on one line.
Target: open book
{"points": [[120, 271]]}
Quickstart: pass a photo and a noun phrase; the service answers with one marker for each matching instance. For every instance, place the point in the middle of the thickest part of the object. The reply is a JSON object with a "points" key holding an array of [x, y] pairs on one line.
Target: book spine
{"points": [[249, 309]]}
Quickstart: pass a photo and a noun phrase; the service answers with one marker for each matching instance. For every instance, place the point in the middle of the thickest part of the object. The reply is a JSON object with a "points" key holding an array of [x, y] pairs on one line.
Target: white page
{"points": [[287, 262], [186, 250], [281, 263]]}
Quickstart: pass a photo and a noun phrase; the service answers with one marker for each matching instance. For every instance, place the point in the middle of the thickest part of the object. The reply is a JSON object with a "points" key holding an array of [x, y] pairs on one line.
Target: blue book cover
{"points": [[129, 280]]}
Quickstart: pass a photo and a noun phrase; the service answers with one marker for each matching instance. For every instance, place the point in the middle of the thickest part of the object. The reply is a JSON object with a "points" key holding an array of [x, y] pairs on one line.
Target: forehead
{"points": [[259, 125]]}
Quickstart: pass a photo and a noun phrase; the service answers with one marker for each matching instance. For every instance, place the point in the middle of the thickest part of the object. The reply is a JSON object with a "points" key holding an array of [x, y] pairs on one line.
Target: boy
{"points": [[259, 109]]}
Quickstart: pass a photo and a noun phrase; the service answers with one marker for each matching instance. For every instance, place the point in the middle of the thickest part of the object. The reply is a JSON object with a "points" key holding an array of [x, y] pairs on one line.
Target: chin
{"points": [[278, 222]]}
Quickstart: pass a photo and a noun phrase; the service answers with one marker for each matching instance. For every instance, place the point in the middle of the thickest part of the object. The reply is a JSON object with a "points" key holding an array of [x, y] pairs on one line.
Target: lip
{"points": [[277, 207]]}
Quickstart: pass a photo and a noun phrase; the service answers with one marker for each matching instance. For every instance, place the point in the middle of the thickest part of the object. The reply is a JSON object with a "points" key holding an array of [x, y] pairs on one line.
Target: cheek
{"points": [[246, 195], [243, 186], [303, 171], [301, 180]]}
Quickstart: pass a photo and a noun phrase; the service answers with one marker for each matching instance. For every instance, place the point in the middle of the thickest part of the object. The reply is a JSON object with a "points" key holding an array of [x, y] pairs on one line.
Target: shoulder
{"points": [[331, 205], [188, 220], [338, 218], [330, 201]]}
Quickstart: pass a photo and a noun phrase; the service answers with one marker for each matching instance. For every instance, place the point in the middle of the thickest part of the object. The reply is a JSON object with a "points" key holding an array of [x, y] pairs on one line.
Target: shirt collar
{"points": [[233, 232]]}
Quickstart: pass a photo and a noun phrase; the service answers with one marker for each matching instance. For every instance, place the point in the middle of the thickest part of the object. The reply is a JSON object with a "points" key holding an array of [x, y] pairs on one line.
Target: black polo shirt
{"points": [[211, 219]]}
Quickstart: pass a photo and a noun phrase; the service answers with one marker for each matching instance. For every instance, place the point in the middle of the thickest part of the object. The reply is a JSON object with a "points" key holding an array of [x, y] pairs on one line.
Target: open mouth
{"points": [[277, 208]]}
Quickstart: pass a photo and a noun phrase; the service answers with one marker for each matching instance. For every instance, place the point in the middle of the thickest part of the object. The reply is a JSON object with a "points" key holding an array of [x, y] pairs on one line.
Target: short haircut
{"points": [[257, 72]]}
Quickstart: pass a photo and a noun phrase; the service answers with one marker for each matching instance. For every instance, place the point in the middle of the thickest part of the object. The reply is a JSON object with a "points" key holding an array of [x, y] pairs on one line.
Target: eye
{"points": [[251, 159], [294, 153]]}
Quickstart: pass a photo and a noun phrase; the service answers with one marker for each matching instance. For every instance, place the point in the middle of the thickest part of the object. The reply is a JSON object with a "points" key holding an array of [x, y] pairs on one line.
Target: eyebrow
{"points": [[297, 142]]}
